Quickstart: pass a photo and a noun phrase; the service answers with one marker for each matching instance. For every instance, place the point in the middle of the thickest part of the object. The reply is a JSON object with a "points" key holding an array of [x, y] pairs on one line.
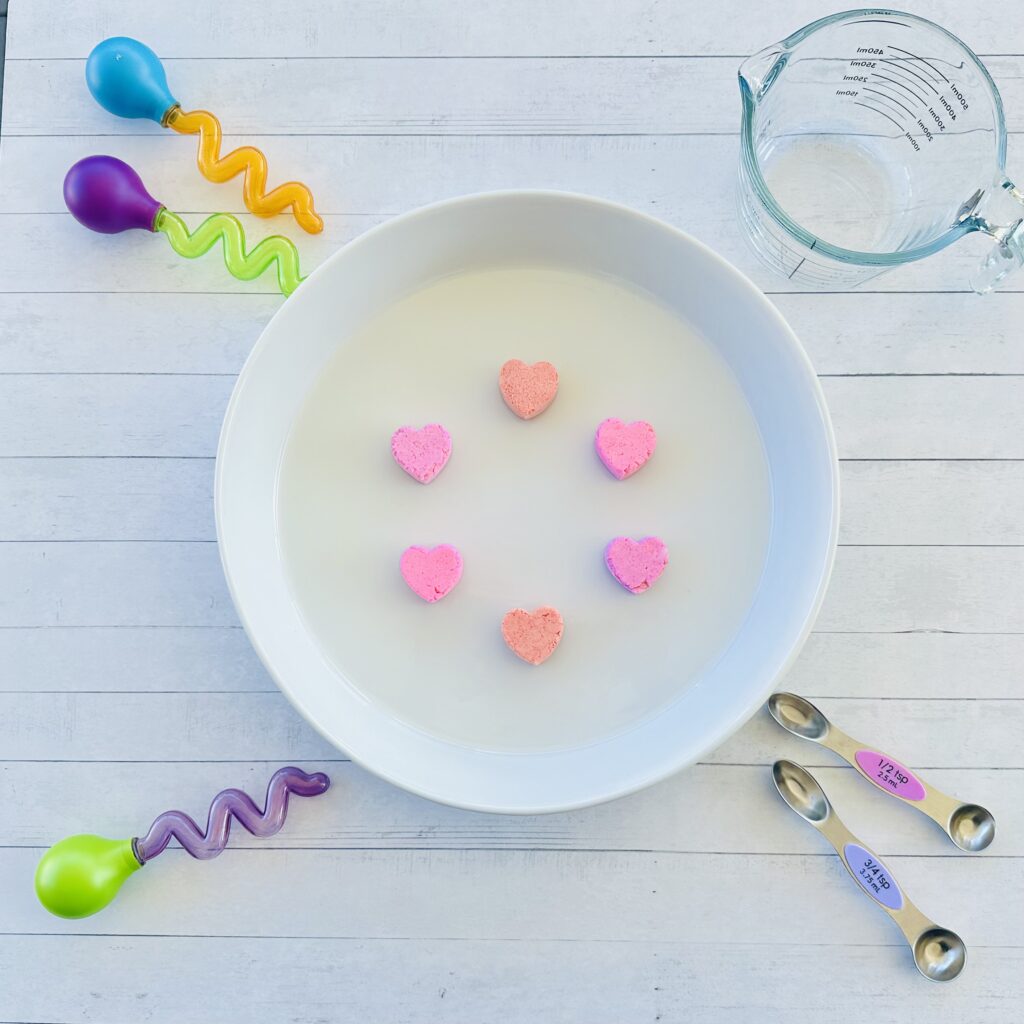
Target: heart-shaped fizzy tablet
{"points": [[636, 564], [422, 453], [624, 447], [528, 390], [533, 636], [431, 572]]}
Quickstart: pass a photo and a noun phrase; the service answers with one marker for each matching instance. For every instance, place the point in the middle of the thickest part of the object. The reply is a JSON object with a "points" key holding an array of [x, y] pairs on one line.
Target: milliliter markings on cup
{"points": [[896, 86]]}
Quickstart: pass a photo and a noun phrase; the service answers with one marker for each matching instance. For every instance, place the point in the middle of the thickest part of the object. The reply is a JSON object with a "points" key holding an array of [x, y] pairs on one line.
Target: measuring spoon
{"points": [[940, 954], [970, 826]]}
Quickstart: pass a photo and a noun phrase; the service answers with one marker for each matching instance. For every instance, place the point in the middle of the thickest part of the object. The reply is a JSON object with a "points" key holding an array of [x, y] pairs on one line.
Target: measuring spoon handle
{"points": [[894, 777], [876, 880], [867, 870]]}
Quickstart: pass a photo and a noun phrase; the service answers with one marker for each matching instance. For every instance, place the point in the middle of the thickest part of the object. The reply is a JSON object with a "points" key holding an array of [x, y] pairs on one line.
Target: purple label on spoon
{"points": [[873, 877], [889, 775]]}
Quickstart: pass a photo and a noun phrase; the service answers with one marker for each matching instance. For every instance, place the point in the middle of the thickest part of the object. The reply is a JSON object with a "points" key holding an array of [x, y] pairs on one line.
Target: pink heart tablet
{"points": [[431, 572], [422, 453], [528, 390], [533, 636], [624, 447], [636, 564]]}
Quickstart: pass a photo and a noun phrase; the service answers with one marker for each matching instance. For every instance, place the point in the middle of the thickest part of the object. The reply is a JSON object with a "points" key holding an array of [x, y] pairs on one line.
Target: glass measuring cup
{"points": [[869, 139]]}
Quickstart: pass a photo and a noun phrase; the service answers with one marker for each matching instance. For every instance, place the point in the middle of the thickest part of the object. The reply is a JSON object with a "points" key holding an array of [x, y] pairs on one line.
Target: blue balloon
{"points": [[127, 78]]}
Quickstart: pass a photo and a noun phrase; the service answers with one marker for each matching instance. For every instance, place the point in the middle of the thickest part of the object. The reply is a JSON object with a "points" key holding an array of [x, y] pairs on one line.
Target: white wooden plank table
{"points": [[128, 687]]}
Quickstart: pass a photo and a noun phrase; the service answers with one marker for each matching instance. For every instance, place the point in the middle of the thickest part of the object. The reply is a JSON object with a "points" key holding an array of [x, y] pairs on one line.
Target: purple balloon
{"points": [[106, 195]]}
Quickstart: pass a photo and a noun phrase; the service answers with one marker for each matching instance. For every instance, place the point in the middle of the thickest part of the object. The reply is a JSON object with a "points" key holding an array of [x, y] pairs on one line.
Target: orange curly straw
{"points": [[219, 168]]}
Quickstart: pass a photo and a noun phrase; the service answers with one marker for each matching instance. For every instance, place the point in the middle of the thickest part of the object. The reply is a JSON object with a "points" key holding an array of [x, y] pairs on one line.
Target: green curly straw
{"points": [[245, 266]]}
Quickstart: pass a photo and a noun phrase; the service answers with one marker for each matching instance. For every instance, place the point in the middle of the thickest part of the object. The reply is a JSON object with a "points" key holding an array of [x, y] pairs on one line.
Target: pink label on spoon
{"points": [[889, 775], [873, 876]]}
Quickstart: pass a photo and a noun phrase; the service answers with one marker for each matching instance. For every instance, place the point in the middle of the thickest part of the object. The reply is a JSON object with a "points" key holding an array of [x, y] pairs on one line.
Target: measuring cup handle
{"points": [[1003, 260], [1000, 214]]}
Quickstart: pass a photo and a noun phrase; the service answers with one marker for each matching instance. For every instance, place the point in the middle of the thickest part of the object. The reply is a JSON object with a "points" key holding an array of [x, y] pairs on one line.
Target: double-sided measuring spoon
{"points": [[940, 954], [970, 826]]}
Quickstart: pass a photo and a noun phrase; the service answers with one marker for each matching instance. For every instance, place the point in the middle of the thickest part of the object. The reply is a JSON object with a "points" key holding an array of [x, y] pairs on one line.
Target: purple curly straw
{"points": [[228, 803]]}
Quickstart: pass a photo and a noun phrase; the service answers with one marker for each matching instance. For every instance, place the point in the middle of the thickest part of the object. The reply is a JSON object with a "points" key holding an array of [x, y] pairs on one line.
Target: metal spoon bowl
{"points": [[939, 954], [970, 826], [798, 716], [801, 791]]}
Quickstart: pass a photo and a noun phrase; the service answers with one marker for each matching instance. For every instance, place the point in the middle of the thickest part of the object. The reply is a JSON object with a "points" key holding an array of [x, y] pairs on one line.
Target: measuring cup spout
{"points": [[999, 212], [758, 72]]}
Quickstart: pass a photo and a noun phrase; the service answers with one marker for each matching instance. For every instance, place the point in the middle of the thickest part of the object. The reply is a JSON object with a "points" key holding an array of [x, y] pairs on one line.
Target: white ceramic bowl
{"points": [[409, 324]]}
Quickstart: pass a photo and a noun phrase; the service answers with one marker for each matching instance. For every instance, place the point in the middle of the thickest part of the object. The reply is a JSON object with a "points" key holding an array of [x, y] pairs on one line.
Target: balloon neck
{"points": [[170, 114]]}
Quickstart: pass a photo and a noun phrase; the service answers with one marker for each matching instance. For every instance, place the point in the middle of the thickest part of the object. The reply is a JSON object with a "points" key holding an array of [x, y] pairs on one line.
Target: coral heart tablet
{"points": [[422, 453], [528, 390], [624, 447], [533, 636], [636, 564], [431, 572]]}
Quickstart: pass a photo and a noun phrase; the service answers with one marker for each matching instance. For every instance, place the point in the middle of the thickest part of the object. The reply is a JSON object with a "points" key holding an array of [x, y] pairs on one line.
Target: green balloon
{"points": [[80, 875]]}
